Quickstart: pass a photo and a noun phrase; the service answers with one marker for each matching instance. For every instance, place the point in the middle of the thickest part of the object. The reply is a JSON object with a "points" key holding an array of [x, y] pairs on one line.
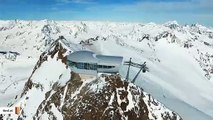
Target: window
{"points": [[100, 66], [80, 65], [92, 66], [86, 66], [111, 66], [70, 63], [105, 66]]}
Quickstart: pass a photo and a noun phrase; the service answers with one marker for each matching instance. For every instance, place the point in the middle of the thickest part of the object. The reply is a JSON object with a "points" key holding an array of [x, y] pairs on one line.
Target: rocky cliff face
{"points": [[106, 97], [53, 91]]}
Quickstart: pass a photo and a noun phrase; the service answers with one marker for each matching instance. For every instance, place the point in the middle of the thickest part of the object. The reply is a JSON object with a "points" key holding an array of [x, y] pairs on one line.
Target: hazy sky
{"points": [[159, 11]]}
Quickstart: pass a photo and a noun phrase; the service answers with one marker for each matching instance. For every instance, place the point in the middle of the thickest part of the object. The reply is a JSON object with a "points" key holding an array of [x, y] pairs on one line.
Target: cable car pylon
{"points": [[127, 74], [142, 67]]}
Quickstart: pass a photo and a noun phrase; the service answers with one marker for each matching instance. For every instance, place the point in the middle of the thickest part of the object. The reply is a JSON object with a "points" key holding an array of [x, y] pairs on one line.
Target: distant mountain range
{"points": [[179, 57]]}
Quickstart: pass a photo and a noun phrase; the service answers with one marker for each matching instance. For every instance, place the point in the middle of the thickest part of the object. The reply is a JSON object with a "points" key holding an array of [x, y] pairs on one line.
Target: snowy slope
{"points": [[180, 58], [54, 92]]}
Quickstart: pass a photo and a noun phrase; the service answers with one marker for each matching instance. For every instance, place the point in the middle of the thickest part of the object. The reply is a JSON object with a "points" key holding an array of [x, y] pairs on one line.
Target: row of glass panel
{"points": [[89, 66]]}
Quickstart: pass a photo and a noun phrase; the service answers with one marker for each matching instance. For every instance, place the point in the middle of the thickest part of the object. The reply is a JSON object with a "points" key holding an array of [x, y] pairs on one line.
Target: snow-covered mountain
{"points": [[54, 92], [179, 57]]}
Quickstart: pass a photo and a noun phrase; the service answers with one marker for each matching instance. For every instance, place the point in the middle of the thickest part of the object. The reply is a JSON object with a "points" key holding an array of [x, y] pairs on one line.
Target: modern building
{"points": [[87, 62]]}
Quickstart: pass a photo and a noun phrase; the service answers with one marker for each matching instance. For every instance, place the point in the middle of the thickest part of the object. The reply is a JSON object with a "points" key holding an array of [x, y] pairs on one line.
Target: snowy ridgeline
{"points": [[180, 58], [31, 38], [67, 95]]}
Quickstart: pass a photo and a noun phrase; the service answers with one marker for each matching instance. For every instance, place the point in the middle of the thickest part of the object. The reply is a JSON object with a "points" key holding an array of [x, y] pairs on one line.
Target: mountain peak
{"points": [[57, 52], [171, 24], [105, 97], [64, 94], [167, 52]]}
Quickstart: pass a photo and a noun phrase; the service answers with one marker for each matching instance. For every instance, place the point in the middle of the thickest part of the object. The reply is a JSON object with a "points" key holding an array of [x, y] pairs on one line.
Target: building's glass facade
{"points": [[88, 66]]}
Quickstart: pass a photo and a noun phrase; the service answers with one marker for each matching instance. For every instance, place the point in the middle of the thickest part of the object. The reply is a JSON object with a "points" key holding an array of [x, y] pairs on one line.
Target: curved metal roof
{"points": [[90, 57], [109, 60], [83, 56]]}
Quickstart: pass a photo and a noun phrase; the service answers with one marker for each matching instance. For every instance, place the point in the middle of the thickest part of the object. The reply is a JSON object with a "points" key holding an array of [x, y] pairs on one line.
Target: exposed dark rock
{"points": [[89, 41], [187, 44], [206, 43], [86, 100], [145, 36], [57, 48]]}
